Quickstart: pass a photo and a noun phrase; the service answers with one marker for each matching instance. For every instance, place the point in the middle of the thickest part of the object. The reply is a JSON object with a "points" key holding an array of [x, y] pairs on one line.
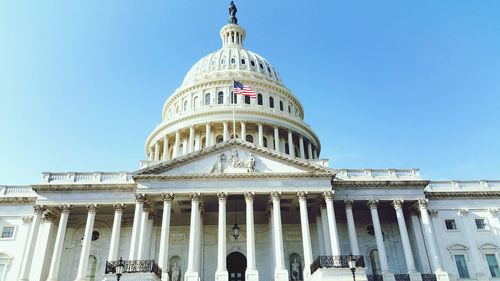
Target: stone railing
{"points": [[134, 266], [471, 185], [378, 174], [16, 191], [92, 177], [336, 262]]}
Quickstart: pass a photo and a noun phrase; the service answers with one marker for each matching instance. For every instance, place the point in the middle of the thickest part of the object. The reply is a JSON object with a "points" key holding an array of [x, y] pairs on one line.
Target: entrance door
{"points": [[236, 265]]}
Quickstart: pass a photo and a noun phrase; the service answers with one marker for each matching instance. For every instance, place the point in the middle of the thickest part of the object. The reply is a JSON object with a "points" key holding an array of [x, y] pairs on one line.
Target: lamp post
{"points": [[352, 266], [119, 269], [236, 229]]}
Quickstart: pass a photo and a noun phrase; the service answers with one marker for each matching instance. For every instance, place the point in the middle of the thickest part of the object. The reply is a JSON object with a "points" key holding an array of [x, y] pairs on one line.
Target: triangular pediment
{"points": [[234, 157]]}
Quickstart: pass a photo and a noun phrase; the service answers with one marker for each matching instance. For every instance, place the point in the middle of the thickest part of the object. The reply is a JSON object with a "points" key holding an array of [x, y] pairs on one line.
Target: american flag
{"points": [[245, 90]]}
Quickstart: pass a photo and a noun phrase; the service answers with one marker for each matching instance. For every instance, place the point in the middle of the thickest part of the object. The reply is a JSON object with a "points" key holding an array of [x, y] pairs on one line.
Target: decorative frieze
{"points": [[178, 238], [293, 236]]}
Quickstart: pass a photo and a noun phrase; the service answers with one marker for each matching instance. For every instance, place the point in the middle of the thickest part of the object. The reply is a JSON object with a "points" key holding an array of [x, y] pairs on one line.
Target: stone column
{"points": [[207, 135], [175, 150], [191, 139], [225, 131], [221, 272], [261, 135], [276, 139], [280, 272], [315, 154], [379, 238], [301, 147], [115, 234], [251, 273], [351, 228], [58, 246], [191, 274], [326, 232], [243, 131], [151, 155], [165, 235], [437, 266], [332, 223], [134, 242], [31, 242], [291, 147], [309, 150], [165, 148], [87, 239], [306, 235], [157, 151], [143, 238]]}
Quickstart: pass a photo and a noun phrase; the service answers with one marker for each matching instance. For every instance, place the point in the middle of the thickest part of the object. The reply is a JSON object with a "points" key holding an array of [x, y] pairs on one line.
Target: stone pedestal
{"points": [[280, 275], [191, 276], [251, 275], [221, 275], [442, 276], [388, 276], [339, 274], [415, 276]]}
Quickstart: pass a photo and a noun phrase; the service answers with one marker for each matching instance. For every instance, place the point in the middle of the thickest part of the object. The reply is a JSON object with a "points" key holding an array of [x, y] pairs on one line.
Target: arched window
{"points": [[233, 61], [259, 99], [375, 262], [219, 139], [287, 149], [177, 108], [234, 98], [207, 99], [249, 138], [289, 109], [281, 105], [243, 61], [252, 63], [185, 107], [220, 98], [247, 99], [232, 136], [265, 141], [271, 102], [195, 102], [261, 66], [295, 267]]}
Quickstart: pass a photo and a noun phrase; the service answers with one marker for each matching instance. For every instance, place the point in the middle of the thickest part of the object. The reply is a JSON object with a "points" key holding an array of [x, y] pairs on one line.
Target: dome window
{"points": [[269, 70], [207, 99], [243, 61], [281, 105], [185, 107], [252, 63], [219, 139], [220, 98], [222, 61], [247, 99], [195, 102], [289, 109], [261, 66], [264, 141], [259, 99], [233, 61], [271, 102], [249, 138]]}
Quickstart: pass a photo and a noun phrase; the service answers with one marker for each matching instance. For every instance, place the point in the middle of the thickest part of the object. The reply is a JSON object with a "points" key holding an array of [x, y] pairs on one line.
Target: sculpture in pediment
{"points": [[234, 163]]}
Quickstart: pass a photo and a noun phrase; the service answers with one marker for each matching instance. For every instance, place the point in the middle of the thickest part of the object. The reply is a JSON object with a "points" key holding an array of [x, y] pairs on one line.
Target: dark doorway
{"points": [[236, 265]]}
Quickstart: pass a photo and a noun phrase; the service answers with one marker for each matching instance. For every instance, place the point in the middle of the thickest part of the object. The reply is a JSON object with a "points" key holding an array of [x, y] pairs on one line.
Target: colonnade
{"points": [[190, 139], [326, 221]]}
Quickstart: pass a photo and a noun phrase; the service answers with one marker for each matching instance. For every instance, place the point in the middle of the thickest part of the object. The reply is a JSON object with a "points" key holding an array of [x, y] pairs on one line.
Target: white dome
{"points": [[239, 60]]}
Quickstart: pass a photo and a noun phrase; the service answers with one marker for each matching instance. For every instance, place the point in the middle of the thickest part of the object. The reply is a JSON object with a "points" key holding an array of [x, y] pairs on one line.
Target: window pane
{"points": [[247, 99], [493, 265], [271, 102], [8, 232], [463, 272], [220, 98], [450, 224], [259, 99], [207, 99], [480, 224]]}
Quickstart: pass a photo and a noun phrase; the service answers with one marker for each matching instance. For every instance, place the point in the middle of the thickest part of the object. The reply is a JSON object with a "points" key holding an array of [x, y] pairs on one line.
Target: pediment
{"points": [[233, 158]]}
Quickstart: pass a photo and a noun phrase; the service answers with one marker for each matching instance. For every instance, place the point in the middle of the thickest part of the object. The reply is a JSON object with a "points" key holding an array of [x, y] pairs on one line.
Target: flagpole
{"points": [[234, 102]]}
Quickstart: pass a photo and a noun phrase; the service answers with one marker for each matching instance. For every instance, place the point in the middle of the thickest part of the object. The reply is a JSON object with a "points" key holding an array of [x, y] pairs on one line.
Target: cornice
{"points": [[381, 184], [17, 200], [462, 194], [233, 176], [234, 142], [84, 187]]}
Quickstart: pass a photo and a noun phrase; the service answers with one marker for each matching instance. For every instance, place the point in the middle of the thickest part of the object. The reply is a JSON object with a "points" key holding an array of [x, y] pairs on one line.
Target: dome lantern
{"points": [[232, 34]]}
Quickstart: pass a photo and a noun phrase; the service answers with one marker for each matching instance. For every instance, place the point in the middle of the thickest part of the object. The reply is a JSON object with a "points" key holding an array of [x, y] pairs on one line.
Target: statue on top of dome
{"points": [[232, 13]]}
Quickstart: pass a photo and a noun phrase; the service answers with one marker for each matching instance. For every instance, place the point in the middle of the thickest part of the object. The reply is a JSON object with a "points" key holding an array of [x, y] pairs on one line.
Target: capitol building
{"points": [[234, 188]]}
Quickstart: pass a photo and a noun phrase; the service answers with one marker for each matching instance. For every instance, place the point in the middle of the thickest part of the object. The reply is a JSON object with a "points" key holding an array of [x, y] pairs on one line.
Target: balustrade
{"points": [[134, 266], [336, 262]]}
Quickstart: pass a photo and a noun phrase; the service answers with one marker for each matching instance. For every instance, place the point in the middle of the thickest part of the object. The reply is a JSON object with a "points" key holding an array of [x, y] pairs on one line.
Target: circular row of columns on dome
{"points": [[325, 217], [194, 138]]}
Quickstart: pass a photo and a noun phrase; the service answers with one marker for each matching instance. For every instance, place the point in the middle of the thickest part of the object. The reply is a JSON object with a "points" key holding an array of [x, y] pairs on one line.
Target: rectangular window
{"points": [[493, 265], [480, 224], [463, 272], [7, 232], [450, 224]]}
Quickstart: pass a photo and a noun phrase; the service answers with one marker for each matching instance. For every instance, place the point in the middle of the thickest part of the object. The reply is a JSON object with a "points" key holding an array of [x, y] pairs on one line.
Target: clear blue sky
{"points": [[385, 84]]}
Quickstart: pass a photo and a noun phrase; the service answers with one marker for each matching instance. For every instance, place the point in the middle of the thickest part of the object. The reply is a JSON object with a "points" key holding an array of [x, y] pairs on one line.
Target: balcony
{"points": [[134, 266], [336, 262]]}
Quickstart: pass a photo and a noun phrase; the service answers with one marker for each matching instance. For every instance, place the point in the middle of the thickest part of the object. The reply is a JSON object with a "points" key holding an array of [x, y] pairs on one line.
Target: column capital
{"points": [[422, 203], [39, 209], [302, 195], [276, 195], [27, 219], [493, 211], [65, 208], [348, 204], [92, 208], [249, 196], [48, 216], [139, 198], [222, 196], [118, 207], [397, 203], [195, 197], [328, 195], [372, 203], [167, 197]]}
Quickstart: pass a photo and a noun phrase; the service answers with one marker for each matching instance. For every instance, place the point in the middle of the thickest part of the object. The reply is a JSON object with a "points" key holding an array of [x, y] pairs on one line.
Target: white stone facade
{"points": [[298, 219]]}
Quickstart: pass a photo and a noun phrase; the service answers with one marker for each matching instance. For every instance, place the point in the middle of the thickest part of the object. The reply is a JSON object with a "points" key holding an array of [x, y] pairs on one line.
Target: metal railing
{"points": [[134, 266], [402, 277], [336, 262]]}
